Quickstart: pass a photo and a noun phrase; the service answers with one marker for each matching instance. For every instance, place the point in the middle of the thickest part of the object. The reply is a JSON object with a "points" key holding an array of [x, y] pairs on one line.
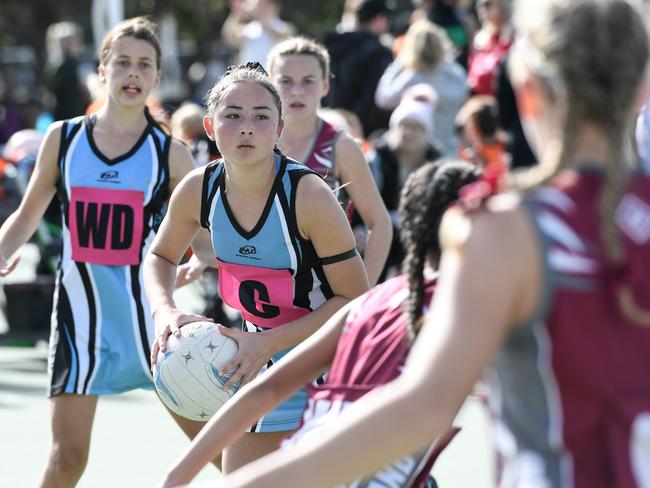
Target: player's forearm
{"points": [[293, 333], [227, 425], [363, 439], [378, 241], [16, 231], [159, 277]]}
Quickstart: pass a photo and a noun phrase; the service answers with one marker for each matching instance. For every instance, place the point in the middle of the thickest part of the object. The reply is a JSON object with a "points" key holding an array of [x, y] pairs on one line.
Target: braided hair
{"points": [[426, 195]]}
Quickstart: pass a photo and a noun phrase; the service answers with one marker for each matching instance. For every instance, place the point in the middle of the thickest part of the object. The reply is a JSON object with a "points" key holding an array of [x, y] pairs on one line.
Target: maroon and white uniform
{"points": [[322, 155], [371, 352], [572, 386]]}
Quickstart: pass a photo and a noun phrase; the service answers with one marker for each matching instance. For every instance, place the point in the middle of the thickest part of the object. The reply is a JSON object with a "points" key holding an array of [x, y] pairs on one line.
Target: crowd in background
{"points": [[409, 85], [400, 89]]}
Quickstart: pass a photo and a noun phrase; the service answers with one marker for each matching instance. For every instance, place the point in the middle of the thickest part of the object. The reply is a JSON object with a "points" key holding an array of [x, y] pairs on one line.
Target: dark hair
{"points": [[138, 28], [427, 193], [367, 10], [483, 112], [236, 73]]}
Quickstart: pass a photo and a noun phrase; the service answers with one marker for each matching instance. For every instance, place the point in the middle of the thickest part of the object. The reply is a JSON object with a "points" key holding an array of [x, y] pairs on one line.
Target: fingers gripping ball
{"points": [[187, 374]]}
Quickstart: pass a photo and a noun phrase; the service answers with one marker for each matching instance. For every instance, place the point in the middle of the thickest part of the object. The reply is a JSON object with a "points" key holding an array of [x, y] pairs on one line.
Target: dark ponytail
{"points": [[426, 195]]}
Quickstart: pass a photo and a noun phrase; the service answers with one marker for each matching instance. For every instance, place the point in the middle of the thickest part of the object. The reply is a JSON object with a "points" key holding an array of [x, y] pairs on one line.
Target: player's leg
{"points": [[252, 446], [71, 422]]}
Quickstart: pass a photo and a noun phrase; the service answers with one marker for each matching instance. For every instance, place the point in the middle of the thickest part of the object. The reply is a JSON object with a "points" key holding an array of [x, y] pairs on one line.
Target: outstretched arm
{"points": [[486, 285], [22, 224], [352, 168], [304, 363]]}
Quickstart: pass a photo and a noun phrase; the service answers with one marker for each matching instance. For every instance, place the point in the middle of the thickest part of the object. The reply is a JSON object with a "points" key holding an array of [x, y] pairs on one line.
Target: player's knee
{"points": [[68, 458]]}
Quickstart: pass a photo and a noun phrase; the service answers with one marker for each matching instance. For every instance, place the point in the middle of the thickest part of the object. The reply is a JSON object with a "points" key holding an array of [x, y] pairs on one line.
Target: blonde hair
{"points": [[425, 46], [137, 27], [592, 56], [300, 45], [188, 118]]}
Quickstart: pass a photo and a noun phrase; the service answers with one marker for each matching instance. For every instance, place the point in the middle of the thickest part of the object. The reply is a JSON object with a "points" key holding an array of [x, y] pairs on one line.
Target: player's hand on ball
{"points": [[254, 352], [167, 322]]}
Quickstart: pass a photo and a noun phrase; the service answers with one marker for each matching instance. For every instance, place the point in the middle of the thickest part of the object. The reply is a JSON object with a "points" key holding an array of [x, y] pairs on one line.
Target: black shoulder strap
{"points": [[207, 192]]}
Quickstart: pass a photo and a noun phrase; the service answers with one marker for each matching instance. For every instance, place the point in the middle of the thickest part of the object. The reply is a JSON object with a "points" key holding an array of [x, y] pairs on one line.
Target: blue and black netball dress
{"points": [[271, 274], [101, 321]]}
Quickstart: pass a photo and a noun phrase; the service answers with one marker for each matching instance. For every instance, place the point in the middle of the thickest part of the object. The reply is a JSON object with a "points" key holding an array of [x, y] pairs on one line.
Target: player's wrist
{"points": [[275, 340], [162, 310]]}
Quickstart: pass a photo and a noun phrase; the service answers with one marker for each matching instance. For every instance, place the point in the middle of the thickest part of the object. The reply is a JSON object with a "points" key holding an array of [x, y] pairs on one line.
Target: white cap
{"points": [[415, 110]]}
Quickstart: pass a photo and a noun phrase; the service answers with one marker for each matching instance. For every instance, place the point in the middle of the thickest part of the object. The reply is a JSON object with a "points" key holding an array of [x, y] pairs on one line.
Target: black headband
{"points": [[252, 65]]}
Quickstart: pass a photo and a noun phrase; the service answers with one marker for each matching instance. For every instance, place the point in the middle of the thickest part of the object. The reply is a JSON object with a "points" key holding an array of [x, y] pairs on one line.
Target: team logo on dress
{"points": [[247, 250], [109, 175]]}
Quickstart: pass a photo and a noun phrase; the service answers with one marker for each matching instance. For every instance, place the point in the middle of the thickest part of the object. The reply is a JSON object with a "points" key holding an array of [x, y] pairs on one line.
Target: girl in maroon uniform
{"points": [[300, 68], [551, 284], [363, 346]]}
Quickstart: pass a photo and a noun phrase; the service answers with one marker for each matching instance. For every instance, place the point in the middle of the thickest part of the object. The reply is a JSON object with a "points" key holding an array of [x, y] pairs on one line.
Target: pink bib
{"points": [[106, 225], [263, 296]]}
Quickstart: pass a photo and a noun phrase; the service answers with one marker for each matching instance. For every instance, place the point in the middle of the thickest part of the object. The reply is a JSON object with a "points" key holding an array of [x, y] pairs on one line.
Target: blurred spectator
{"points": [[348, 122], [490, 45], [426, 58], [482, 140], [187, 122], [187, 126], [521, 155], [454, 20], [202, 72], [65, 42], [16, 164], [403, 148], [254, 27], [10, 194], [16, 167], [10, 119], [358, 60], [21, 144], [421, 10], [349, 16]]}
